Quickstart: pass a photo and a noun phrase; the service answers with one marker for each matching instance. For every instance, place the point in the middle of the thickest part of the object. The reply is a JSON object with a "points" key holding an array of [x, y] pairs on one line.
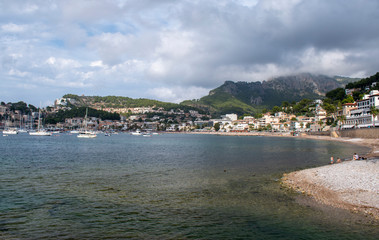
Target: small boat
{"points": [[87, 134], [137, 133]]}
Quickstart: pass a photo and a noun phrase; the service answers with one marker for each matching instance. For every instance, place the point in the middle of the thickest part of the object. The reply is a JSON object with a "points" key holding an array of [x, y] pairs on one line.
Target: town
{"points": [[362, 113]]}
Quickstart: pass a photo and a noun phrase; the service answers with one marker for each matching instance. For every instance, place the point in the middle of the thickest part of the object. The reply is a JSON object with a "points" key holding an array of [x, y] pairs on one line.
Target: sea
{"points": [[167, 186]]}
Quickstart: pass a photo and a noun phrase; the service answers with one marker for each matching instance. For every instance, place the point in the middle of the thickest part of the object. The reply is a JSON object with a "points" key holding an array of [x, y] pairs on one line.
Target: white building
{"points": [[63, 101], [231, 117], [361, 117]]}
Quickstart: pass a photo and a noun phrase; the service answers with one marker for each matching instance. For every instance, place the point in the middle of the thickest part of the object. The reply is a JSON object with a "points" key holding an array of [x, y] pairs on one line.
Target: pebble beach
{"points": [[351, 185]]}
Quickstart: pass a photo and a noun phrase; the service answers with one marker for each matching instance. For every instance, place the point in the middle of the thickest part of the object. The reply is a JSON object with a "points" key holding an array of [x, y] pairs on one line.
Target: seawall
{"points": [[366, 133]]}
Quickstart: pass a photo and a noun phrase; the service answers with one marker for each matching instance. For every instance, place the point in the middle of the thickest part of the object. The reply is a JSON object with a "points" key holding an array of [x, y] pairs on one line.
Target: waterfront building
{"points": [[361, 117]]}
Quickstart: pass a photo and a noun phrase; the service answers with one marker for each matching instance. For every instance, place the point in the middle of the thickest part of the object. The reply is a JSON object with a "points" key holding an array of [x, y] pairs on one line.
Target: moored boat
{"points": [[86, 133], [10, 131], [40, 131]]}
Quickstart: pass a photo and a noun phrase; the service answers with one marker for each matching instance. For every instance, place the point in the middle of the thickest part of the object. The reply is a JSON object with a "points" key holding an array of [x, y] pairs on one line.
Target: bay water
{"points": [[170, 186]]}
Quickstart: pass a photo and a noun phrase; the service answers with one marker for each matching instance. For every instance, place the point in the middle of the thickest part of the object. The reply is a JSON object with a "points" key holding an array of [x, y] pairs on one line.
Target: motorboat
{"points": [[87, 134], [137, 133]]}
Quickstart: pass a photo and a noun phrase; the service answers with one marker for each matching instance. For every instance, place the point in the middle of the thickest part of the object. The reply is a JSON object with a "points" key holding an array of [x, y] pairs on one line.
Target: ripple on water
{"points": [[164, 187]]}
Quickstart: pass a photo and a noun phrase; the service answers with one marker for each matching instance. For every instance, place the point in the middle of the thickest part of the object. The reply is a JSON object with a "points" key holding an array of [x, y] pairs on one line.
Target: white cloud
{"points": [[15, 72], [177, 94], [13, 28], [97, 64], [62, 63]]}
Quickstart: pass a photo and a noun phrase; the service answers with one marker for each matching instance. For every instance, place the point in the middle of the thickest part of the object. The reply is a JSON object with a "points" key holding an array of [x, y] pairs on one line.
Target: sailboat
{"points": [[86, 133], [40, 132], [8, 130]]}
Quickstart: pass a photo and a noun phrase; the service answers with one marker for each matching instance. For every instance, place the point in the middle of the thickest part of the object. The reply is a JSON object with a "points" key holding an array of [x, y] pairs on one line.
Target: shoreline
{"points": [[350, 185], [373, 144]]}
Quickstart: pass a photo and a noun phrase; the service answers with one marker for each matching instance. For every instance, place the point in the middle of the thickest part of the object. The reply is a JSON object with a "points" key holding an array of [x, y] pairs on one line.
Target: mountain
{"points": [[249, 97]]}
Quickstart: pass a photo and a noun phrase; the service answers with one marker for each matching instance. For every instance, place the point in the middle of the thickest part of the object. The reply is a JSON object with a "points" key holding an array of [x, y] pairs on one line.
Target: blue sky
{"points": [[176, 50]]}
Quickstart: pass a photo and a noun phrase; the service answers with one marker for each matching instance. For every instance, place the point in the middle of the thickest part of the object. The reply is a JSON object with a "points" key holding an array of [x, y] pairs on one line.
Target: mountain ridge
{"points": [[254, 96]]}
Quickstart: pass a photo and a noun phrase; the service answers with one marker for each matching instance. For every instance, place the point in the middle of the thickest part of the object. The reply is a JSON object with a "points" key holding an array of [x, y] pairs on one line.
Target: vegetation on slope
{"points": [[123, 102], [61, 115]]}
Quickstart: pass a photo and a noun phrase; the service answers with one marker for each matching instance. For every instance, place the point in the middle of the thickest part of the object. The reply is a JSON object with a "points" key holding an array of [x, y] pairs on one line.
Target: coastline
{"points": [[350, 185], [373, 144]]}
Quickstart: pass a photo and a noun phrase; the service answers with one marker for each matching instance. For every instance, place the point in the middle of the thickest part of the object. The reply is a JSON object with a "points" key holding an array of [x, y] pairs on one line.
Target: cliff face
{"points": [[275, 91]]}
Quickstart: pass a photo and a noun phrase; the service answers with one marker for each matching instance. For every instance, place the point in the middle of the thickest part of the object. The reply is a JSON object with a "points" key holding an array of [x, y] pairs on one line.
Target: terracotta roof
{"points": [[349, 104]]}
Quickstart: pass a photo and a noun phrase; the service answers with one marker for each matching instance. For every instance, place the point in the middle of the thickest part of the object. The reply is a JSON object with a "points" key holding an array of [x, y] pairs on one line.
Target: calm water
{"points": [[169, 186]]}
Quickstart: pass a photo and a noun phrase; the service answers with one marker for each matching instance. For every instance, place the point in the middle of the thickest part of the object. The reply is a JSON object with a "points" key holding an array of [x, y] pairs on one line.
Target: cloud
{"points": [[12, 28], [172, 50], [177, 94]]}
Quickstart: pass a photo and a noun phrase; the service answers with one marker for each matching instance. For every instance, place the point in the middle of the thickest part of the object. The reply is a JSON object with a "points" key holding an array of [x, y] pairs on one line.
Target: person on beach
{"points": [[355, 156], [331, 160], [338, 160]]}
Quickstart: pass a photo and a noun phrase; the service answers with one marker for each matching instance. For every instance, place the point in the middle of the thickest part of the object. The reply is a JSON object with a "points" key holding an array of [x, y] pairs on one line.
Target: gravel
{"points": [[352, 185]]}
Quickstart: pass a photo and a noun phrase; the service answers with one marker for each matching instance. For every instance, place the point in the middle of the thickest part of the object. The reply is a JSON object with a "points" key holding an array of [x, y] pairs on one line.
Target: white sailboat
{"points": [[40, 132], [86, 133], [8, 130]]}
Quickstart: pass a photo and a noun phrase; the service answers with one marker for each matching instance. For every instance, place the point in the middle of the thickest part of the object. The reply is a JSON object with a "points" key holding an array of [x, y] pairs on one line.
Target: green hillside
{"points": [[252, 97], [122, 102]]}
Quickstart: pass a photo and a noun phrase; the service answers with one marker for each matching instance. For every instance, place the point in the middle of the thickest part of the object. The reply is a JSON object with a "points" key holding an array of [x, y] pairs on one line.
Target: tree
{"points": [[329, 108], [374, 113], [216, 126], [348, 99], [357, 95], [336, 94], [285, 104], [276, 109]]}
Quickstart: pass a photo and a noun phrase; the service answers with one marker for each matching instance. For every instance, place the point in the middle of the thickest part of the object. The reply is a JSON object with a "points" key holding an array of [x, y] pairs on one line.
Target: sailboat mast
{"points": [[39, 119], [85, 119]]}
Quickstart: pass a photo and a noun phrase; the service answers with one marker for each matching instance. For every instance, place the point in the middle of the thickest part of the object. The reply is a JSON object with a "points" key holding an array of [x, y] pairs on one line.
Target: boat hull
{"points": [[39, 133], [10, 132], [86, 135]]}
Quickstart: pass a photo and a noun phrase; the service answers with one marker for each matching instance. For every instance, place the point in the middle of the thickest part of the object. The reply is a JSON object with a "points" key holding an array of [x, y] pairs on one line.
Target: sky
{"points": [[174, 50]]}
